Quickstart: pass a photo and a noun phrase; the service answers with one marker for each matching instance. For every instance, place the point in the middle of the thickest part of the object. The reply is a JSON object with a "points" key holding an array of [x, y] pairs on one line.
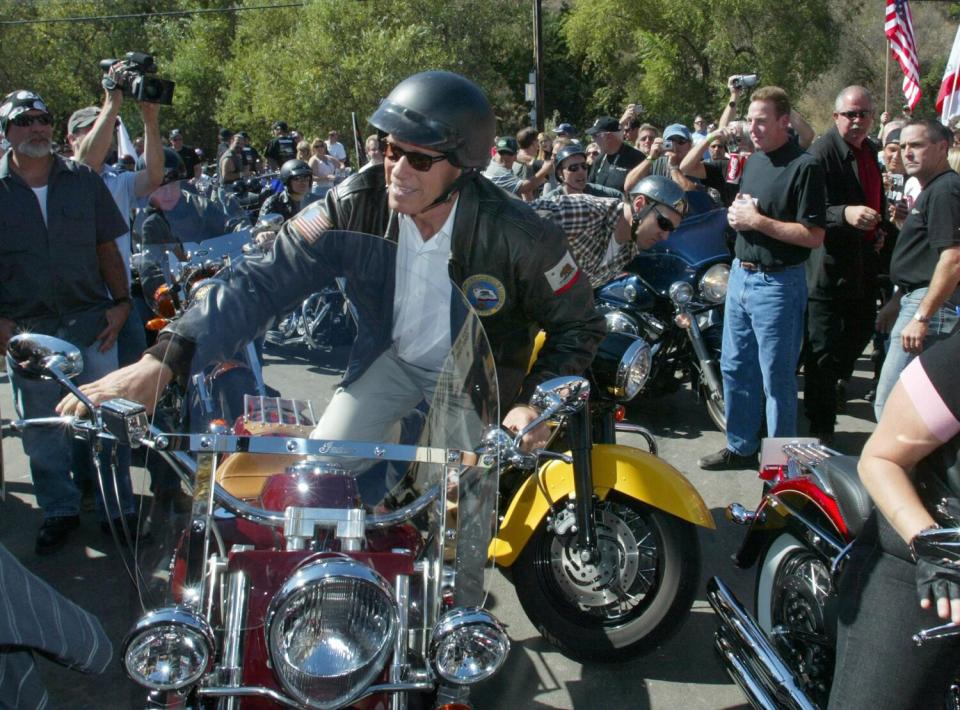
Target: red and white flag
{"points": [[899, 31], [948, 99]]}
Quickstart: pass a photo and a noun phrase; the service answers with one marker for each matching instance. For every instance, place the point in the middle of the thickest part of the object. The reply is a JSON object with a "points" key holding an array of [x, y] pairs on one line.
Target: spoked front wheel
{"points": [[633, 597]]}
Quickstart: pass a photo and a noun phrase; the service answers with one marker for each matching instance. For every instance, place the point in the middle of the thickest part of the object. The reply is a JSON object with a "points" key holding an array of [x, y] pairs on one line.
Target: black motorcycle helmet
{"points": [[442, 111], [293, 168], [280, 126], [173, 166], [567, 151]]}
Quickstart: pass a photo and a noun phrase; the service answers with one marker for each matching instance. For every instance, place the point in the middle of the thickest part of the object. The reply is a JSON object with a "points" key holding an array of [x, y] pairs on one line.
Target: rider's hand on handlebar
{"points": [[939, 583], [143, 381], [517, 418]]}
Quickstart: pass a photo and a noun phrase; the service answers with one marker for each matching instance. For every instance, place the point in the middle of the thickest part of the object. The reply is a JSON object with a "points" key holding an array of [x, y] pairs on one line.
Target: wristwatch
{"points": [[732, 104], [122, 300], [921, 319]]}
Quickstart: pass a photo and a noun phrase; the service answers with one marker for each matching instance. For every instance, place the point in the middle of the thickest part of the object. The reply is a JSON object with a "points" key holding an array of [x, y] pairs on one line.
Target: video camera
{"points": [[141, 86], [743, 81]]}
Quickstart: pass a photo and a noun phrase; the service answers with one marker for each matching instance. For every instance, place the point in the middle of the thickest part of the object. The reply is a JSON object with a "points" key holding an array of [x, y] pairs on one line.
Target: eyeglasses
{"points": [[594, 153], [420, 162], [24, 121], [665, 224], [855, 114], [576, 167]]}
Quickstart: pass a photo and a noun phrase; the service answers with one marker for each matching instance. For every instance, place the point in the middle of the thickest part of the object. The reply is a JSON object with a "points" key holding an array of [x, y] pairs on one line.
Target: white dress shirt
{"points": [[421, 304]]}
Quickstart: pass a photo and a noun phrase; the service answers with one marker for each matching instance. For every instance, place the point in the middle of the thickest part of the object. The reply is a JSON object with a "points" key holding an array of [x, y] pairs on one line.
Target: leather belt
{"points": [[753, 266]]}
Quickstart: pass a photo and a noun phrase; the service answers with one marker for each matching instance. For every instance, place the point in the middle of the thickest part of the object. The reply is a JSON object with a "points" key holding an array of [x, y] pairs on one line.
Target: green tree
{"points": [[675, 57]]}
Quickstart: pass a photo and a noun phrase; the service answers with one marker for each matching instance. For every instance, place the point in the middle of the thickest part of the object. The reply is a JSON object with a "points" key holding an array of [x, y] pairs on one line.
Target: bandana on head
{"points": [[17, 102]]}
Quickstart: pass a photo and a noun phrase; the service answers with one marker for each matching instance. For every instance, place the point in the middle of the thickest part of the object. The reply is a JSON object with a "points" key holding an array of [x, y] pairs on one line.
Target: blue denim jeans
{"points": [[50, 448], [942, 323], [762, 336]]}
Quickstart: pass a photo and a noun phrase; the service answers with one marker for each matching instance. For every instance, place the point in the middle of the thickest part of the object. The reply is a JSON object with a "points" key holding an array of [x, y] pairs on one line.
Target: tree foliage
{"points": [[675, 57], [314, 65]]}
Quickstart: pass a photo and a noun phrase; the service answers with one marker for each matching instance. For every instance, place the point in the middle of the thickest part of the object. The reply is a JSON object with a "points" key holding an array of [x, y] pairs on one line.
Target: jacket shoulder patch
{"points": [[310, 223], [564, 274]]}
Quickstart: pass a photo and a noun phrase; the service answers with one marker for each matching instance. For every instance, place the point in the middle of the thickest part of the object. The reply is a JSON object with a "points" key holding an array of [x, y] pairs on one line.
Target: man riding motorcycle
{"points": [[296, 177], [439, 128]]}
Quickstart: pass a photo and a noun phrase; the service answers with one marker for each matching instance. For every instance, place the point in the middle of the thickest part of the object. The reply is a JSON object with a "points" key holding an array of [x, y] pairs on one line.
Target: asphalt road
{"points": [[682, 672]]}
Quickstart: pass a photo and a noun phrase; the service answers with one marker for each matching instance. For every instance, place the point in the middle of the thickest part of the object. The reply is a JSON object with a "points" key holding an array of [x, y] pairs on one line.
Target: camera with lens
{"points": [[743, 81], [136, 79]]}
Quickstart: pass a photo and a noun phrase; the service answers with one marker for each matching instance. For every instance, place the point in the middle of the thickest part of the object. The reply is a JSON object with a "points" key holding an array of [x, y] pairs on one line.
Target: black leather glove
{"points": [[937, 580]]}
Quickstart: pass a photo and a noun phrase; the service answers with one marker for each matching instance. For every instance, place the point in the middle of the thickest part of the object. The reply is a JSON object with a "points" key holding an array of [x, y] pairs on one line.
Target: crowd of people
{"points": [[826, 229]]}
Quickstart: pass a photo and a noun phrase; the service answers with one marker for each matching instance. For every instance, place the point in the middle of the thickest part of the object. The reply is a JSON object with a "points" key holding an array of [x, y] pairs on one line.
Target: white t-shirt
{"points": [[41, 193], [421, 303]]}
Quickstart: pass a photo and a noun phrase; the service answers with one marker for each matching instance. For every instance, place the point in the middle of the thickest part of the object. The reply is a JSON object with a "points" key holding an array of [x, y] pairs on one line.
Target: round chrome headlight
{"points": [[633, 370], [168, 649], [681, 292], [468, 646], [329, 631], [713, 284], [620, 322], [630, 292]]}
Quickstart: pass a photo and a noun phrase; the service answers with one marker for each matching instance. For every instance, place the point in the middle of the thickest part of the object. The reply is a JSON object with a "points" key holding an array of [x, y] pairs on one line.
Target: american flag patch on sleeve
{"points": [[311, 223], [564, 274]]}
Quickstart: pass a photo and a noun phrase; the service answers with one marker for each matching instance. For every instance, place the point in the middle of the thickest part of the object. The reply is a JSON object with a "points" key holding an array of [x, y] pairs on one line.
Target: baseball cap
{"points": [[507, 144], [82, 118], [893, 137], [244, 135], [280, 125], [225, 133], [566, 129], [17, 102], [604, 124], [175, 133], [676, 129]]}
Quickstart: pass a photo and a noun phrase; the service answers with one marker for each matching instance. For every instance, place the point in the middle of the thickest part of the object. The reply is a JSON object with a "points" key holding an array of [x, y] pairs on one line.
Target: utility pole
{"points": [[538, 107]]}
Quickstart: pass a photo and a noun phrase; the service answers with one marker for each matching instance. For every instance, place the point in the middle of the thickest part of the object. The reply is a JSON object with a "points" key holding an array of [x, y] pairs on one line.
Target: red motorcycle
{"points": [[313, 572]]}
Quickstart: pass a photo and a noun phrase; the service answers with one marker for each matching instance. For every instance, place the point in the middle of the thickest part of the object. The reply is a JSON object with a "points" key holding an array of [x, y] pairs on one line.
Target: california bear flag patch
{"points": [[564, 274]]}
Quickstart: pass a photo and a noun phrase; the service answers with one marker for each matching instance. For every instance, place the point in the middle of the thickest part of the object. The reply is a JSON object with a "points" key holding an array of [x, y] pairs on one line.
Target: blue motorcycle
{"points": [[672, 296]]}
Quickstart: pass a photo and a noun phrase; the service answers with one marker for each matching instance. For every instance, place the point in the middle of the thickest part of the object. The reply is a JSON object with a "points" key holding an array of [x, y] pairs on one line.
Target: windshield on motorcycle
{"points": [[182, 237], [366, 450]]}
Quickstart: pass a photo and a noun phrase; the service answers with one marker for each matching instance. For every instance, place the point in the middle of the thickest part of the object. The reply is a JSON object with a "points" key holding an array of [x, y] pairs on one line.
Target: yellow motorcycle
{"points": [[601, 539]]}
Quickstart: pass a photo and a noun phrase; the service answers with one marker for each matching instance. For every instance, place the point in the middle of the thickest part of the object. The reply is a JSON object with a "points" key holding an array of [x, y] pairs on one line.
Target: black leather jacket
{"points": [[495, 238], [280, 203]]}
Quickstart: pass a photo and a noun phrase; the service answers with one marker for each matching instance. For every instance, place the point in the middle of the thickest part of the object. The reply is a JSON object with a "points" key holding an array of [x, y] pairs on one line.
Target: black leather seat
{"points": [[852, 498]]}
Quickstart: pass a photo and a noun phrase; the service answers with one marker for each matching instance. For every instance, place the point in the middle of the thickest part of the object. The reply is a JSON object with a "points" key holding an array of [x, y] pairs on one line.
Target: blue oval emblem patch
{"points": [[485, 293]]}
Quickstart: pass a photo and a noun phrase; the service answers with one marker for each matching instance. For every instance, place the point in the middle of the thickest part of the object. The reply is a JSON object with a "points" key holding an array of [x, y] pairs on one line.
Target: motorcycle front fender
{"points": [[624, 469]]}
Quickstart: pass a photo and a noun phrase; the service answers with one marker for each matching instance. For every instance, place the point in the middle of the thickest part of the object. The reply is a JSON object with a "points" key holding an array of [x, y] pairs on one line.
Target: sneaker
{"points": [[727, 460], [54, 533]]}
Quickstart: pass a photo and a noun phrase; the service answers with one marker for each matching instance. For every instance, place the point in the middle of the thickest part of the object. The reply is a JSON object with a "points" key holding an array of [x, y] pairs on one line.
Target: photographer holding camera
{"points": [[91, 133]]}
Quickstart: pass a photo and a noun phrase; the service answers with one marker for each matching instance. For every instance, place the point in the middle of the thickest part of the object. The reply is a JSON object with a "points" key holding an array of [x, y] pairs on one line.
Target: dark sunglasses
{"points": [[665, 224], [855, 114], [678, 140], [594, 153], [576, 167], [24, 121], [418, 161]]}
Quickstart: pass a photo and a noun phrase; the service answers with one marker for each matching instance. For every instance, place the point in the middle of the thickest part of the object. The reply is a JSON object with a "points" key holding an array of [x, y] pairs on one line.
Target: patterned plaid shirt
{"points": [[588, 223]]}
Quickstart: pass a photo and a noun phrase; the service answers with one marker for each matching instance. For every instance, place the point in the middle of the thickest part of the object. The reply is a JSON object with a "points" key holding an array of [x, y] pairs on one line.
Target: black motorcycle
{"points": [[672, 296]]}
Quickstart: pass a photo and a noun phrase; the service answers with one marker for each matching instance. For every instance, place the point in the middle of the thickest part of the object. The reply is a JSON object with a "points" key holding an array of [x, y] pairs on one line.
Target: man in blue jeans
{"points": [[925, 266], [58, 258], [779, 216]]}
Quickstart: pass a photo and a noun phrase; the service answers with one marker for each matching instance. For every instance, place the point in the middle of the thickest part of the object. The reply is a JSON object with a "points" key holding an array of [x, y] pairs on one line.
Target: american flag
{"points": [[899, 30]]}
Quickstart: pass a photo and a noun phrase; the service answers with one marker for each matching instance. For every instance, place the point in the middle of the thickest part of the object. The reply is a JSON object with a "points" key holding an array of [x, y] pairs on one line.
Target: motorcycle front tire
{"points": [[588, 634]]}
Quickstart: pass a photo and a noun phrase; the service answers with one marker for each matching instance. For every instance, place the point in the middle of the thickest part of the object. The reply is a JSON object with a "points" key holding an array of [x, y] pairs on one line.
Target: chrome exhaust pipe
{"points": [[749, 657]]}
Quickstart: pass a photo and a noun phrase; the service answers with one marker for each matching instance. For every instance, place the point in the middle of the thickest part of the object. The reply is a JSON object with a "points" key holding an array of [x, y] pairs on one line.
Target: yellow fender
{"points": [[629, 471]]}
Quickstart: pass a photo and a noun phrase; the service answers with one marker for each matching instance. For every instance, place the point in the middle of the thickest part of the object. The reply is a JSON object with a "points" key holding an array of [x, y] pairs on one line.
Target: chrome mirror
{"points": [[561, 395], [270, 222], [42, 356]]}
